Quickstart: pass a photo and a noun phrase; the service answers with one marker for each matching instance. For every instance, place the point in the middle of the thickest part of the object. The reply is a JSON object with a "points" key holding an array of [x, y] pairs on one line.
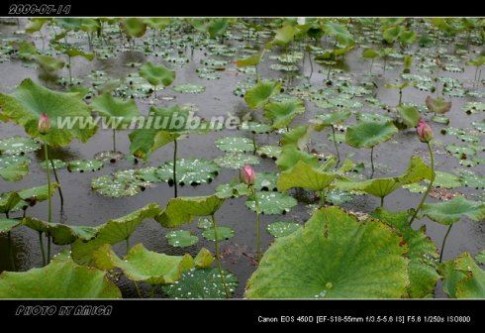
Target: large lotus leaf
{"points": [[30, 100], [49, 64], [134, 27], [62, 278], [174, 119], [331, 118], [409, 114], [145, 141], [381, 187], [284, 35], [480, 257], [290, 155], [463, 278], [217, 27], [305, 176], [39, 193], [202, 284], [272, 203], [181, 238], [298, 136], [157, 75], [333, 256], [189, 171], [9, 202], [8, 224], [236, 160], [61, 234], [369, 134], [282, 114], [182, 210], [13, 168], [340, 32], [36, 24], [18, 145], [259, 95], [142, 265], [234, 144], [451, 211], [112, 232], [423, 255], [253, 60], [119, 112]]}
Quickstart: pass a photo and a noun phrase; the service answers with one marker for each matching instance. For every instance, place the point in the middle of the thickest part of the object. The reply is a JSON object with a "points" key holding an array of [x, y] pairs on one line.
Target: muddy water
{"points": [[84, 207]]}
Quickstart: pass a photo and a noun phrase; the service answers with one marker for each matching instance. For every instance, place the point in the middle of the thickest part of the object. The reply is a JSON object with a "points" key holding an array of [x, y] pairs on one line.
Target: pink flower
{"points": [[247, 175], [44, 124], [425, 133]]}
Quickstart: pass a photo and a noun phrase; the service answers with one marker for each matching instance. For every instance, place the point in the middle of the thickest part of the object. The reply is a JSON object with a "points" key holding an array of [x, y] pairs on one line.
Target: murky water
{"points": [[84, 207]]}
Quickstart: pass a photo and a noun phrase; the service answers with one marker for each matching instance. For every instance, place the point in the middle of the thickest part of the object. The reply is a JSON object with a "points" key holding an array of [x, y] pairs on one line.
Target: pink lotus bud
{"points": [[425, 133], [247, 175], [44, 124]]}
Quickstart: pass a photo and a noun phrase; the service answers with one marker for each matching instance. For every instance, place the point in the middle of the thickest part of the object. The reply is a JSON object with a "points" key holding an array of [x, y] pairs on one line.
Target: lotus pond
{"points": [[330, 158]]}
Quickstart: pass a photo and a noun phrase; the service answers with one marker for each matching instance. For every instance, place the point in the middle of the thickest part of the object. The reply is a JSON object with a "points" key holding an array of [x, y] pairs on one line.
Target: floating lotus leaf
{"points": [[201, 284], [236, 160], [369, 134], [84, 166], [272, 203], [259, 95], [452, 211], [157, 75], [61, 234], [423, 255], [233, 144], [462, 278], [112, 232], [331, 118], [25, 105], [120, 184], [118, 111], [282, 114], [282, 229], [14, 167], [49, 64], [305, 176], [142, 265], [58, 164], [232, 190], [181, 238], [438, 105], [269, 151], [189, 171], [255, 127], [62, 278], [223, 233], [182, 210], [189, 88], [37, 194], [446, 180], [361, 260], [18, 145]]}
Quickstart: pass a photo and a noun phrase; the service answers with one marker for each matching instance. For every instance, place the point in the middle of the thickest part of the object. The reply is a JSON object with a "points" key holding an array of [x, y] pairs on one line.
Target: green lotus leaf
{"points": [[298, 136], [123, 183], [381, 187], [75, 52], [13, 168], [36, 24], [158, 23], [369, 53], [189, 171], [182, 210], [273, 152], [438, 105], [146, 141], [142, 265], [255, 127], [10, 202], [391, 34], [201, 284], [253, 60], [232, 190], [30, 100], [181, 238], [462, 278], [112, 232], [282, 229], [58, 164], [49, 64], [39, 193], [134, 27], [18, 145], [259, 95], [369, 134], [118, 111], [222, 233], [331, 118], [290, 155], [451, 211], [6, 225], [446, 180], [62, 278], [305, 176], [272, 203], [284, 35], [189, 88], [236, 160], [157, 75], [84, 165], [409, 114], [217, 27], [234, 144], [61, 234], [281, 114], [423, 255], [340, 32], [203, 259], [333, 256]]}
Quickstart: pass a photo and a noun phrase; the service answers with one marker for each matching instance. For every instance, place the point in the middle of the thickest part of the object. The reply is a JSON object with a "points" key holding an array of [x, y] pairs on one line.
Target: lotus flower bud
{"points": [[425, 133], [44, 124], [247, 175]]}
